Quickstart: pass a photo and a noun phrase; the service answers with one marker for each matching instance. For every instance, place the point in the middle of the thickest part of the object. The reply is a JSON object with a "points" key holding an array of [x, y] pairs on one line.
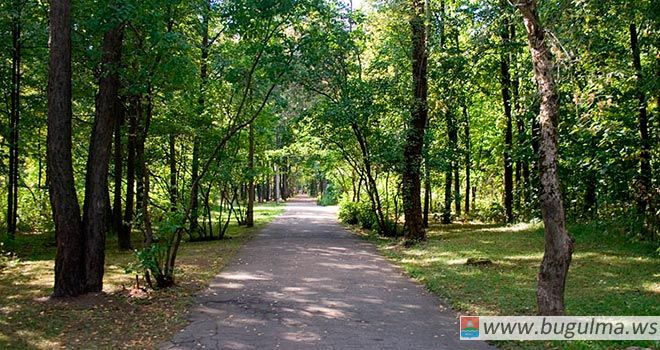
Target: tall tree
{"points": [[124, 240], [505, 81], [14, 118], [249, 214], [69, 260], [412, 154], [558, 244], [95, 208], [203, 76], [468, 161], [174, 190], [645, 175]]}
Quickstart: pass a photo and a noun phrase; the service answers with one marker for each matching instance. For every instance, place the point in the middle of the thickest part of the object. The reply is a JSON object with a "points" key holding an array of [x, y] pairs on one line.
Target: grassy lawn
{"points": [[112, 319], [609, 275]]}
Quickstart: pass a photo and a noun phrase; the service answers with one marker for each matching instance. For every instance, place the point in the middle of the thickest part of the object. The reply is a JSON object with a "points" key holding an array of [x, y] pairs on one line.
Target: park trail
{"points": [[305, 282]]}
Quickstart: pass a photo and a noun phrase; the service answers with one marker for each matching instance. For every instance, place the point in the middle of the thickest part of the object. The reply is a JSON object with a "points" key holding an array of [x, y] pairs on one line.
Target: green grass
{"points": [[112, 319], [609, 274]]}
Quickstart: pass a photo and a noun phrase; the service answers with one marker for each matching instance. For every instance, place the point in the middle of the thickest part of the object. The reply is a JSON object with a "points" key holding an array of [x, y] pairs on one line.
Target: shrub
{"points": [[366, 216], [348, 212], [329, 197], [391, 228]]}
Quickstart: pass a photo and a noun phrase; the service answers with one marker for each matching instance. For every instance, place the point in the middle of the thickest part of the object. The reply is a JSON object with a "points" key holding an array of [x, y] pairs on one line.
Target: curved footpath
{"points": [[304, 282]]}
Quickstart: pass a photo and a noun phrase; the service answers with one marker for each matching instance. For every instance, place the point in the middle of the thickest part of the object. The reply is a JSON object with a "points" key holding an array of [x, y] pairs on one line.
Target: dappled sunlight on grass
{"points": [[29, 319], [609, 274]]}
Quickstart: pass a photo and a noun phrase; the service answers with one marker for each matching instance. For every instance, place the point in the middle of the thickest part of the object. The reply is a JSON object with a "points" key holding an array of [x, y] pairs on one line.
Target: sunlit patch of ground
{"points": [[610, 274], [29, 319]]}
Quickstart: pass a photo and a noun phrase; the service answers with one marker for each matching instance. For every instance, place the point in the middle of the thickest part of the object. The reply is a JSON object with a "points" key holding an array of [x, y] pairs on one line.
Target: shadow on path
{"points": [[306, 283]]}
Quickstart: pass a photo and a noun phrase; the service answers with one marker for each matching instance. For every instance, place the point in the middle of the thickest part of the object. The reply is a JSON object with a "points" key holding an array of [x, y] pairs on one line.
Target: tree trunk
{"points": [[285, 179], [276, 183], [412, 153], [139, 160], [427, 193], [266, 190], [203, 75], [467, 159], [14, 118], [249, 215], [194, 199], [127, 225], [457, 189], [69, 259], [558, 244], [123, 240], [446, 212], [505, 80], [95, 209], [645, 175], [173, 173]]}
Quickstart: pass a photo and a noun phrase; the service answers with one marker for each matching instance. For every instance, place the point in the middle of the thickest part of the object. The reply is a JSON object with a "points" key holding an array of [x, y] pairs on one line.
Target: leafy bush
{"points": [[354, 213], [154, 260], [366, 216], [391, 228], [329, 197], [494, 213], [348, 212]]}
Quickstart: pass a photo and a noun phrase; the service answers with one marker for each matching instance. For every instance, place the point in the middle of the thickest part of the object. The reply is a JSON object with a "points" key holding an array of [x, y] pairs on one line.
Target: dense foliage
{"points": [[220, 104]]}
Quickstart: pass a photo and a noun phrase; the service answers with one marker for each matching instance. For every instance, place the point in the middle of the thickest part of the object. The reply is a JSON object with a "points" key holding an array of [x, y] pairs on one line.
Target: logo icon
{"points": [[469, 327]]}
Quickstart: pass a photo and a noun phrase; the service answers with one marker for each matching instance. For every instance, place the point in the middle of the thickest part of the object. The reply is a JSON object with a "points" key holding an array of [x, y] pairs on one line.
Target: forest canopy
{"points": [[158, 123]]}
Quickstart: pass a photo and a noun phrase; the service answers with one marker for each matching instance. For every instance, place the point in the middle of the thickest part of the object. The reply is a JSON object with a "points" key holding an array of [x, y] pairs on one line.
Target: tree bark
{"points": [[427, 193], [14, 119], [645, 172], [203, 75], [249, 215], [127, 225], [69, 259], [123, 240], [95, 209], [174, 190], [276, 183], [505, 81], [457, 188], [467, 159], [370, 180], [412, 153], [558, 244], [446, 212]]}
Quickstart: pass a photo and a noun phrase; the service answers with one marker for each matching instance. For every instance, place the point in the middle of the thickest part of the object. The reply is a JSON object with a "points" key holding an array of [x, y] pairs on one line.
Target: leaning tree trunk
{"points": [[69, 259], [412, 153], [95, 209], [558, 244], [249, 215]]}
